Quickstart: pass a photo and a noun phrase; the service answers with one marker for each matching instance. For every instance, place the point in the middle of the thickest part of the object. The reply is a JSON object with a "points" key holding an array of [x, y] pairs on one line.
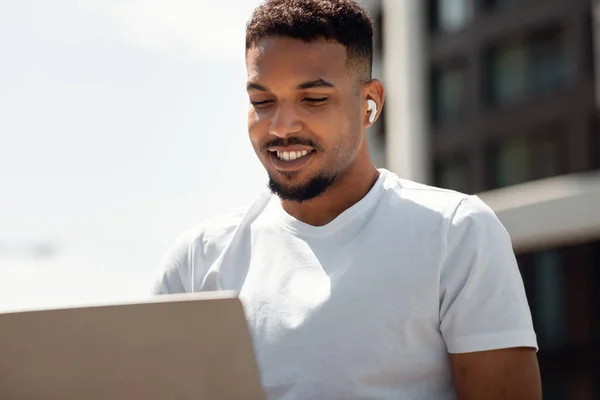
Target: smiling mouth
{"points": [[286, 161], [291, 155]]}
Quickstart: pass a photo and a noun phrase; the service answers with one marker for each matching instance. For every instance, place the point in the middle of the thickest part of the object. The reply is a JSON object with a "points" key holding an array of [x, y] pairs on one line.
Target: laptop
{"points": [[176, 347]]}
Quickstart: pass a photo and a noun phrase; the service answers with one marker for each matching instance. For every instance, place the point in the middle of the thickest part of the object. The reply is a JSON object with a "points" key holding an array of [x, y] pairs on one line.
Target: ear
{"points": [[372, 90]]}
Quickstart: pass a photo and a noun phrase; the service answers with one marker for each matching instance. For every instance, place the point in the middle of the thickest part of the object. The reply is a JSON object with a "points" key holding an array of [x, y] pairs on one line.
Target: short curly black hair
{"points": [[343, 21]]}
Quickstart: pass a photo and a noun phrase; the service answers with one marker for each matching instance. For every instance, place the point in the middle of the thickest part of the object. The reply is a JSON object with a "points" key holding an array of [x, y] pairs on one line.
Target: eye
{"points": [[315, 100], [261, 104]]}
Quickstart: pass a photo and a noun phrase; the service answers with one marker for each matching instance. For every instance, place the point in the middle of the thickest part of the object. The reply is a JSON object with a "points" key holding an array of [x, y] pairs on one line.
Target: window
{"points": [[562, 289], [555, 389], [595, 144], [448, 93], [509, 74], [512, 163], [526, 158], [453, 174], [550, 298], [450, 15], [504, 4], [596, 149], [548, 155], [549, 65], [595, 255], [567, 386], [536, 65]]}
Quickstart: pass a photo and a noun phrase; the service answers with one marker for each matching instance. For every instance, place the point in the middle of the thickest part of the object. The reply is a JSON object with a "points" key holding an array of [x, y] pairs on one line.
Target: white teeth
{"points": [[291, 155]]}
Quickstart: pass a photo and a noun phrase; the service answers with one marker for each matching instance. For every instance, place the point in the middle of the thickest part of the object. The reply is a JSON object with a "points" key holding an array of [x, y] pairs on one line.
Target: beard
{"points": [[315, 187]]}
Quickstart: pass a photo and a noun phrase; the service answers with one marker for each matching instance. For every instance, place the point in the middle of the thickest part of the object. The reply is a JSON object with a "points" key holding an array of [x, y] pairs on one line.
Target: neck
{"points": [[348, 189]]}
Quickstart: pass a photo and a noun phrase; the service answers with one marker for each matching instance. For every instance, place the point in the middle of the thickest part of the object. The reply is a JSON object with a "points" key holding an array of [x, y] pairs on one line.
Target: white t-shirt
{"points": [[369, 305]]}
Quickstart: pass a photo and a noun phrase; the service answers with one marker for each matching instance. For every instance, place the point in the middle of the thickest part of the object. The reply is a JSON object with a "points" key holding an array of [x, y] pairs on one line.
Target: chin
{"points": [[296, 188], [294, 178], [288, 181]]}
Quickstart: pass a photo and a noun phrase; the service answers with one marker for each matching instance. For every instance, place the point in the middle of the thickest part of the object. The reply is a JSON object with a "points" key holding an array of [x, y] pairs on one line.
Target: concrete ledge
{"points": [[549, 212]]}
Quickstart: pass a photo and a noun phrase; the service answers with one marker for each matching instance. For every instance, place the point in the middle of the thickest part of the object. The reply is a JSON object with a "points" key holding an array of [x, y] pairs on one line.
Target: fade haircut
{"points": [[343, 21]]}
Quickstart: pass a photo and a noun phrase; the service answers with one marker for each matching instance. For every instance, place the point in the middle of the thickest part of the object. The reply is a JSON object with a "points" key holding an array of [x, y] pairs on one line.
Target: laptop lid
{"points": [[175, 347]]}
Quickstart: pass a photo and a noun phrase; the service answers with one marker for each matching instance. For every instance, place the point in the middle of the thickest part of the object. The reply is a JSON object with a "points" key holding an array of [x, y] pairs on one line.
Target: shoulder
{"points": [[197, 247], [204, 237], [417, 200], [452, 214]]}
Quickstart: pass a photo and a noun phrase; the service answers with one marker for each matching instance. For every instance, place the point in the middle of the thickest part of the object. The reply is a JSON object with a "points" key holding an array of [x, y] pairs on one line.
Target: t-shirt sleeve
{"points": [[168, 280], [174, 275], [483, 305]]}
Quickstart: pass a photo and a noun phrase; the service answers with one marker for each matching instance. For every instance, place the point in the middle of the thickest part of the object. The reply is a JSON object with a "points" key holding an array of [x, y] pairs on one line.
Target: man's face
{"points": [[304, 119]]}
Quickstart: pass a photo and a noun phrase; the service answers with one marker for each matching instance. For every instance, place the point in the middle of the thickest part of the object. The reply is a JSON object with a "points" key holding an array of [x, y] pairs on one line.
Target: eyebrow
{"points": [[317, 83]]}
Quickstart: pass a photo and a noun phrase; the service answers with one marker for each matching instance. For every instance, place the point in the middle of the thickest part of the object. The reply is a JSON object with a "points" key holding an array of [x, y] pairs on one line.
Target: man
{"points": [[356, 284]]}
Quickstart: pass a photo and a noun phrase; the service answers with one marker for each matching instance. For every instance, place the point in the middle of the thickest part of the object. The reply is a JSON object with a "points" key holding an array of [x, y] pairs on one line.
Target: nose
{"points": [[285, 121]]}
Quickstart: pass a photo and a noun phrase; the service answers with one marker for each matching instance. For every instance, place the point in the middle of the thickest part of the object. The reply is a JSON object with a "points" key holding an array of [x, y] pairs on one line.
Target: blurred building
{"points": [[499, 98], [377, 134]]}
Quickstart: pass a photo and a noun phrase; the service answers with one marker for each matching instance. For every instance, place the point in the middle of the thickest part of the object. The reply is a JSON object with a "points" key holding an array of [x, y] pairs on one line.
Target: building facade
{"points": [[499, 98]]}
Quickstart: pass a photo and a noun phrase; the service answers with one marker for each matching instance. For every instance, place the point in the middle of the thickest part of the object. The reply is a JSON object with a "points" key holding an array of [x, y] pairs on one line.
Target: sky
{"points": [[122, 124]]}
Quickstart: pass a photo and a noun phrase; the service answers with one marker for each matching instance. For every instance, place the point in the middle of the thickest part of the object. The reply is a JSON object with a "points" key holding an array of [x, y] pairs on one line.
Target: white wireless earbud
{"points": [[373, 109]]}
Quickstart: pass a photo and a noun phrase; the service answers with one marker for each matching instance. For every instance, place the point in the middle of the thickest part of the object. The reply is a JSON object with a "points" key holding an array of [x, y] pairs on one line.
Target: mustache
{"points": [[281, 142]]}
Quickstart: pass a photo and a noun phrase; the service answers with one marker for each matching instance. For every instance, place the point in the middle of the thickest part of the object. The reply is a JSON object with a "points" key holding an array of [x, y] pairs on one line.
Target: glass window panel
{"points": [[595, 146], [509, 74], [448, 94], [504, 3], [547, 153], [550, 69], [555, 389], [512, 163], [550, 299], [453, 15], [453, 175], [538, 65]]}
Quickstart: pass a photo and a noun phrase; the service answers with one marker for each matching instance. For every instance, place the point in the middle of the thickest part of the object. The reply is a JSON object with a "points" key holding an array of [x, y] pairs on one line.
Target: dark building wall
{"points": [[512, 99], [512, 93], [562, 288]]}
